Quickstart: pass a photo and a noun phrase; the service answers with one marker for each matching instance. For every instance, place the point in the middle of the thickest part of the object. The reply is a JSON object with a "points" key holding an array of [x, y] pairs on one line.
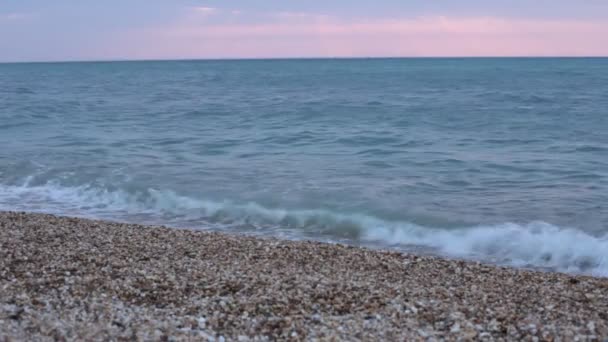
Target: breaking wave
{"points": [[535, 244]]}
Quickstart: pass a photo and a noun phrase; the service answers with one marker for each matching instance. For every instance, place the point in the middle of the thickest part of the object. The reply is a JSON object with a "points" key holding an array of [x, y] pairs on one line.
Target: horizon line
{"points": [[127, 60]]}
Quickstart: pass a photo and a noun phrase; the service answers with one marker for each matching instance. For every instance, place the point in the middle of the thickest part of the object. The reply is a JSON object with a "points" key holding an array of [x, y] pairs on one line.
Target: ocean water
{"points": [[499, 160]]}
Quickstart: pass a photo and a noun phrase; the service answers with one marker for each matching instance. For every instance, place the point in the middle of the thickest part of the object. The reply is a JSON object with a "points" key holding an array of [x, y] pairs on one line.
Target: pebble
{"points": [[67, 278]]}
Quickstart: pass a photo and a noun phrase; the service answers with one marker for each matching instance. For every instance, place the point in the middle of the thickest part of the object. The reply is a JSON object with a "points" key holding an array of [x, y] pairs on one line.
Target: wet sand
{"points": [[69, 278]]}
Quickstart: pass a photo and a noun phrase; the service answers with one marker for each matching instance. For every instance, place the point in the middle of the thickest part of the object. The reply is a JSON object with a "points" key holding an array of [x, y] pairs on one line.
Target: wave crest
{"points": [[535, 244]]}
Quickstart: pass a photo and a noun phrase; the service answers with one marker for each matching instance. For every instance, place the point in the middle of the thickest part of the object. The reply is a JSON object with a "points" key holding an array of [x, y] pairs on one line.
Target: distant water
{"points": [[501, 160]]}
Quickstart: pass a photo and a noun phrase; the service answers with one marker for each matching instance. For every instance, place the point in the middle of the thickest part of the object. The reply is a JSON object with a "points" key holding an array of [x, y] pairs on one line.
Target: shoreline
{"points": [[76, 278]]}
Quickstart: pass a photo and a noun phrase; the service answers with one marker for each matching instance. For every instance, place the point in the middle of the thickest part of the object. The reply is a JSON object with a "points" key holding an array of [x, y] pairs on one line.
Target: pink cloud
{"points": [[311, 35]]}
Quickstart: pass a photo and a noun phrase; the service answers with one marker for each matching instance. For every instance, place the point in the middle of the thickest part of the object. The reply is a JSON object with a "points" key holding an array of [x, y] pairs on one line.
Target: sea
{"points": [[498, 160]]}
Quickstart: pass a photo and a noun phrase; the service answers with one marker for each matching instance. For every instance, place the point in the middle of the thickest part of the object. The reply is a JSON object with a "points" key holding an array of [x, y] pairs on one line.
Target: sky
{"points": [[60, 30]]}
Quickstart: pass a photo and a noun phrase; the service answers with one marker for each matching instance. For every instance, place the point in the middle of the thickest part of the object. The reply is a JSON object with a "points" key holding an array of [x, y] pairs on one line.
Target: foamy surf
{"points": [[534, 244]]}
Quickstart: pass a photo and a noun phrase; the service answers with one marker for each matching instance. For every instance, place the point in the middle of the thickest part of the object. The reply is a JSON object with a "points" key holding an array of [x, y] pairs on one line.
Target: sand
{"points": [[76, 279]]}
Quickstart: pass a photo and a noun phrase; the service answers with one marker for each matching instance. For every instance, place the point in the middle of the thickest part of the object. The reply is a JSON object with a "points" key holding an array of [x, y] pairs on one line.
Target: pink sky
{"points": [[176, 30], [311, 35]]}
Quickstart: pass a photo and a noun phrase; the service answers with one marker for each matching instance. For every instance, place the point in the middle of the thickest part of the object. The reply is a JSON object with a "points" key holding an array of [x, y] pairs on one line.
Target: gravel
{"points": [[76, 279]]}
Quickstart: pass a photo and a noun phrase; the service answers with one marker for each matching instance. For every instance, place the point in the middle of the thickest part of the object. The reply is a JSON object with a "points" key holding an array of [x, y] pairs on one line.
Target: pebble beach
{"points": [[67, 278]]}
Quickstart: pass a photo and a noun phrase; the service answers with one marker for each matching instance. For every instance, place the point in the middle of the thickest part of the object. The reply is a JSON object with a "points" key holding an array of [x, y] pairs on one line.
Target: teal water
{"points": [[501, 160]]}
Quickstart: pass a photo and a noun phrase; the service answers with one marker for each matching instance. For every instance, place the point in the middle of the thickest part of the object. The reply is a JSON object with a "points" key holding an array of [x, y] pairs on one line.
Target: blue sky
{"points": [[32, 30]]}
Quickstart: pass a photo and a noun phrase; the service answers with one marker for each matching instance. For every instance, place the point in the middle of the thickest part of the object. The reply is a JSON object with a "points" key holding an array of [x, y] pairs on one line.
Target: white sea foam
{"points": [[535, 244]]}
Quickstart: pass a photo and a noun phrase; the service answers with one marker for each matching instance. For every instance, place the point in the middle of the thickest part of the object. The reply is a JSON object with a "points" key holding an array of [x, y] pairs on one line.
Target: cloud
{"points": [[291, 34], [204, 12], [15, 16], [304, 16]]}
